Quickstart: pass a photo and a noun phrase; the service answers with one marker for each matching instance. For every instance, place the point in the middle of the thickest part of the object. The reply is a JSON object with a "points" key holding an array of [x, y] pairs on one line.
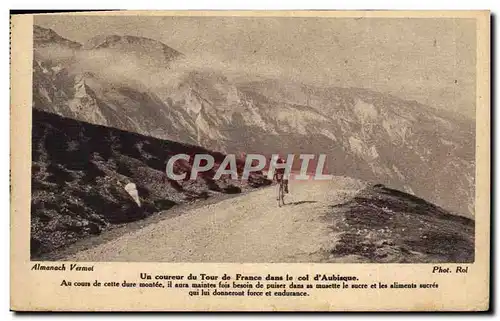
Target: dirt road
{"points": [[249, 228]]}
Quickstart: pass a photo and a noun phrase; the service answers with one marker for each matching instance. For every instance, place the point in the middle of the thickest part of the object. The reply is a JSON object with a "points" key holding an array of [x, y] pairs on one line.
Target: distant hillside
{"points": [[79, 171]]}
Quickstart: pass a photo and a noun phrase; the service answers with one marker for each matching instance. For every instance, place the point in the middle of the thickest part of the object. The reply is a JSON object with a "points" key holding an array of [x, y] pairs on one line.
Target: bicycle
{"points": [[281, 193]]}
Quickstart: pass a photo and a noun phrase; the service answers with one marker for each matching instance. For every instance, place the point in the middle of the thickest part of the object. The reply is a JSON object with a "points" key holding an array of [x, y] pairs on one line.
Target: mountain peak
{"points": [[131, 44], [46, 37]]}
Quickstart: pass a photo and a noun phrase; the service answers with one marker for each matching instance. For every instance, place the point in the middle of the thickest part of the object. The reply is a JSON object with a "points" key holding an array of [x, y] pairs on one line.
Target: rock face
{"points": [[80, 172], [365, 134]]}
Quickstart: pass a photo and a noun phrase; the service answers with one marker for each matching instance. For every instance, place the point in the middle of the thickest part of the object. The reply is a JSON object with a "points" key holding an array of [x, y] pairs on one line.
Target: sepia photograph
{"points": [[386, 107], [250, 161]]}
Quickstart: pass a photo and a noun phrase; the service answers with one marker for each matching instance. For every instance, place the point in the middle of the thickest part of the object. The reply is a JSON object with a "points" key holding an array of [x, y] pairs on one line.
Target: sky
{"points": [[432, 61]]}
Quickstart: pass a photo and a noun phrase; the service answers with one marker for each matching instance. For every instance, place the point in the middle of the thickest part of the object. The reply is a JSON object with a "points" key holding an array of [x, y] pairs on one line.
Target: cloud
{"points": [[148, 72]]}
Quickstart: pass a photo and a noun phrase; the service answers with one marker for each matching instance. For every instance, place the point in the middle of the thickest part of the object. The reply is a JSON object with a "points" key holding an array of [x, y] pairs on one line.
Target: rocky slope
{"points": [[80, 171], [365, 134], [385, 225]]}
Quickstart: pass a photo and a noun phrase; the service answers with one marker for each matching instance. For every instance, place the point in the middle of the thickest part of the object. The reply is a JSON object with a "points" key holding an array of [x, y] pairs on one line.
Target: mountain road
{"points": [[249, 228]]}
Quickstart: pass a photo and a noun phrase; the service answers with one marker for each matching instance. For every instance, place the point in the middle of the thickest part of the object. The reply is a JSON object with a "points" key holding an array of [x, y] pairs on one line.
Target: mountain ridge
{"points": [[46, 36], [133, 44], [359, 129]]}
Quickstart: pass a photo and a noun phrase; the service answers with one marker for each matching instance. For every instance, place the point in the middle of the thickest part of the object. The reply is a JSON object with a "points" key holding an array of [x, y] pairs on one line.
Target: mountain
{"points": [[79, 174], [141, 47], [48, 37], [365, 134], [60, 86]]}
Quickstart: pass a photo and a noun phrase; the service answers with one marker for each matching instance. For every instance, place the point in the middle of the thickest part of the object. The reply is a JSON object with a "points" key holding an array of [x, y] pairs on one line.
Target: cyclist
{"points": [[279, 175]]}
